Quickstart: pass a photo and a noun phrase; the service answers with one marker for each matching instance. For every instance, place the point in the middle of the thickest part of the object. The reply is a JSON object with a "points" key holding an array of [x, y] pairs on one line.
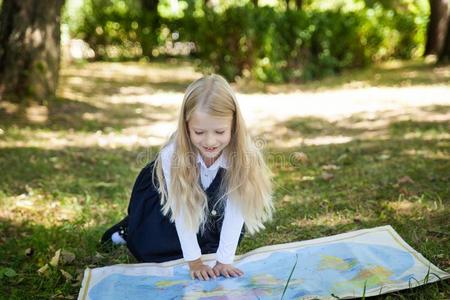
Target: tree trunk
{"points": [[437, 26], [299, 4], [150, 5], [444, 56], [29, 48], [150, 17]]}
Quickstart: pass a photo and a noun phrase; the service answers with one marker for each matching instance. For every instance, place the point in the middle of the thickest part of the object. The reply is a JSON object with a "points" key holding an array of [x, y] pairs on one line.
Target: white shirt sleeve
{"points": [[229, 236], [188, 238]]}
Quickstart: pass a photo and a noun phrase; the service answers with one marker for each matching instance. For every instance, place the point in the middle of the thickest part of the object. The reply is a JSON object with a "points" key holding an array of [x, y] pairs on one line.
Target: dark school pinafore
{"points": [[152, 237]]}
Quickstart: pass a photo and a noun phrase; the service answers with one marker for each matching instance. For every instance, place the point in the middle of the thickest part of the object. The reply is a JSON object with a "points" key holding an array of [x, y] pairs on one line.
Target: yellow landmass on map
{"points": [[169, 283], [370, 277], [336, 263]]}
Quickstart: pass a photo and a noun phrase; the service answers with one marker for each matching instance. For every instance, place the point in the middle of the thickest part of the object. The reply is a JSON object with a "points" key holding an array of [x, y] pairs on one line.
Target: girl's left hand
{"points": [[226, 270]]}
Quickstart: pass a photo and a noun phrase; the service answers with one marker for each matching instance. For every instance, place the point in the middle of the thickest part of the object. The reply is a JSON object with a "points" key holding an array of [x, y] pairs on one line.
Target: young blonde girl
{"points": [[208, 180]]}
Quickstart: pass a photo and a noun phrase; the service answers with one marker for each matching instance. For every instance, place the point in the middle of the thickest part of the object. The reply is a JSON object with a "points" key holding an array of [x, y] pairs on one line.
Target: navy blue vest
{"points": [[151, 237]]}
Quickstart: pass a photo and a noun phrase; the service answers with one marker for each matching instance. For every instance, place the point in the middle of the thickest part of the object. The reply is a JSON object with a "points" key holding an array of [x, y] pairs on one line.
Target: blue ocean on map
{"points": [[319, 270]]}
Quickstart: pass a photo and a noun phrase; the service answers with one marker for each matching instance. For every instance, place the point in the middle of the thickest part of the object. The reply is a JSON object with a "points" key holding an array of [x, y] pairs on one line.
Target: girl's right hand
{"points": [[200, 271]]}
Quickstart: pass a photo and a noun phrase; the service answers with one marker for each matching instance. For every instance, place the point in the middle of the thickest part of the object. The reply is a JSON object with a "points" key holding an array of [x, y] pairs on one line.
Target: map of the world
{"points": [[365, 262]]}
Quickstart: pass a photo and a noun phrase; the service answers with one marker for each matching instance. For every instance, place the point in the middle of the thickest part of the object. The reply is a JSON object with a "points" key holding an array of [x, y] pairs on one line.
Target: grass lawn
{"points": [[67, 168]]}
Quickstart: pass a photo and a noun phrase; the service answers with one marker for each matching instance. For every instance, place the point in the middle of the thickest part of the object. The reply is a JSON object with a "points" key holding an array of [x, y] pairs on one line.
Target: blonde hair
{"points": [[247, 180]]}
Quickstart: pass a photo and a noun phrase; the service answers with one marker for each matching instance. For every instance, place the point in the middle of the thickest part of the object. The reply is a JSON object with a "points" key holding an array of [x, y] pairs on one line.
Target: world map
{"points": [[349, 268]]}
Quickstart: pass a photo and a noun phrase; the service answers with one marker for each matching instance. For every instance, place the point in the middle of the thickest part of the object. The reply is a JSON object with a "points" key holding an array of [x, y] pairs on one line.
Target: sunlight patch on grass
{"points": [[427, 136], [51, 139], [322, 140], [326, 219], [38, 207], [9, 107], [428, 154]]}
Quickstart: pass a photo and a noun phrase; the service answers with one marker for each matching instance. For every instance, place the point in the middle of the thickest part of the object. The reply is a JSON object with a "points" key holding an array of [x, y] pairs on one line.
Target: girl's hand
{"points": [[226, 270], [200, 271]]}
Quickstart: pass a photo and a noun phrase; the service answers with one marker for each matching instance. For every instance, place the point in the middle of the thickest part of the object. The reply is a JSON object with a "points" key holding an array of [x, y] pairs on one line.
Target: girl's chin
{"points": [[211, 154]]}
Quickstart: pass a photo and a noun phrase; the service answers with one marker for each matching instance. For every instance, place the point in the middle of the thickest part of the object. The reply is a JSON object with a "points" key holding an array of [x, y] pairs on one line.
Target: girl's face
{"points": [[210, 135]]}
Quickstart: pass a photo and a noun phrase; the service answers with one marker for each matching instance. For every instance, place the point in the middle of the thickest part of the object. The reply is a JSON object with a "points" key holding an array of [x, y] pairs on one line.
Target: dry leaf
{"points": [[67, 257], [327, 176], [300, 156], [43, 269], [55, 260], [29, 252], [66, 275], [405, 179], [307, 178], [384, 157], [97, 258], [330, 167], [342, 157]]}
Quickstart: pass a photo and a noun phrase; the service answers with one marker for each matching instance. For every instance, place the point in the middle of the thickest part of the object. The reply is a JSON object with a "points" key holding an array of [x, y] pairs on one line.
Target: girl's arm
{"points": [[188, 239], [229, 238]]}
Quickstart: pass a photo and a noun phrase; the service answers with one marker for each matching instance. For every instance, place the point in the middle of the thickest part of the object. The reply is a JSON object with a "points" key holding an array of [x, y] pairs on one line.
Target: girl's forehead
{"points": [[200, 118]]}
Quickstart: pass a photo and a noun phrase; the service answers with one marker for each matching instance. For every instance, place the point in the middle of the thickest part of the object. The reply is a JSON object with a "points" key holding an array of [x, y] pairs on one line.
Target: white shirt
{"points": [[232, 221]]}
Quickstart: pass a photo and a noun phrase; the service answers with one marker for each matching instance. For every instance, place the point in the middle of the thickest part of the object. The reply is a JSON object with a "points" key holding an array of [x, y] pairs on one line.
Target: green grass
{"points": [[60, 187]]}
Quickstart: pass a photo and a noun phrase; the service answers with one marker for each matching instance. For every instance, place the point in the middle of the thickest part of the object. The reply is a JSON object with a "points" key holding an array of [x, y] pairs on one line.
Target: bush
{"points": [[259, 42]]}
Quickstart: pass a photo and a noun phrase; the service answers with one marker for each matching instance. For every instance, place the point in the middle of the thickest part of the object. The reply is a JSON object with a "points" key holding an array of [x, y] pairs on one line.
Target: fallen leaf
{"points": [[342, 157], [384, 157], [43, 269], [307, 178], [97, 258], [405, 179], [67, 257], [330, 167], [29, 252], [300, 156], [80, 276], [66, 275], [55, 259], [8, 272], [327, 176]]}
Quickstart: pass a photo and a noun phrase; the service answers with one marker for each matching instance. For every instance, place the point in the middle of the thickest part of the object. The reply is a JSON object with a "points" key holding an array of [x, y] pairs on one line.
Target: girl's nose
{"points": [[210, 140]]}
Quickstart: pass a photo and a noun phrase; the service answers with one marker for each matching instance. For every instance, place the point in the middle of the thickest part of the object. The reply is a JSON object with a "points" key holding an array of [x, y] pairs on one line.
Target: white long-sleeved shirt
{"points": [[232, 222]]}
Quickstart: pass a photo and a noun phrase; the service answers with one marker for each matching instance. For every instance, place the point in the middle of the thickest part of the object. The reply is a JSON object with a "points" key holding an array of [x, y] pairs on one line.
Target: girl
{"points": [[206, 183]]}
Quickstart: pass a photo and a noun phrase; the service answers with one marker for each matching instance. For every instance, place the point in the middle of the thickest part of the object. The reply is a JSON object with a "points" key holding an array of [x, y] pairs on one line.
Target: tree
{"points": [[150, 17], [444, 56], [29, 48], [437, 26]]}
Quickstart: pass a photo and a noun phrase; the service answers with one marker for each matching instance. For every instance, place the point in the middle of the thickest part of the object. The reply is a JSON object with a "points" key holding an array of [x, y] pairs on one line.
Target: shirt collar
{"points": [[221, 162]]}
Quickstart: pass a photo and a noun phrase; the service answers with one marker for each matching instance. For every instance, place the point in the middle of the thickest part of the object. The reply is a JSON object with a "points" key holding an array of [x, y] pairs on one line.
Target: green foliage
{"points": [[264, 43]]}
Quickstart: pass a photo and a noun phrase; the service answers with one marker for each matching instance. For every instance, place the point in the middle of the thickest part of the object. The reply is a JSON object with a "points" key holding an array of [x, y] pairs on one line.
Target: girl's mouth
{"points": [[210, 149]]}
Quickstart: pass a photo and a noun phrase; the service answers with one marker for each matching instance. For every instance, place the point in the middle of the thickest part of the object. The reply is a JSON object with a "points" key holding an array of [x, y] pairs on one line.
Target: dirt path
{"points": [[140, 102]]}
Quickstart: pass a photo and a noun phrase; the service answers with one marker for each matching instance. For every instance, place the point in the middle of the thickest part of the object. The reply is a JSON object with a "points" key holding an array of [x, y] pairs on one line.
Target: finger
{"points": [[225, 273], [211, 273], [216, 272], [239, 272], [198, 275], [205, 275], [233, 273]]}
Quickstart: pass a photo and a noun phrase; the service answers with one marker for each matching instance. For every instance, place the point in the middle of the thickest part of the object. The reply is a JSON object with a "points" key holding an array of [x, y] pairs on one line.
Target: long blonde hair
{"points": [[247, 180]]}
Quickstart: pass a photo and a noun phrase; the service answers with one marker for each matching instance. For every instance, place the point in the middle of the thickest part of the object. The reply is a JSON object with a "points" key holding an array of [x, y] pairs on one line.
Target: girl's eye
{"points": [[220, 132], [198, 132]]}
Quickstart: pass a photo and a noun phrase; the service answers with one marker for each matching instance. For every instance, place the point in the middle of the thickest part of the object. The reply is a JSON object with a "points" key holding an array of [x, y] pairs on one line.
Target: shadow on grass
{"points": [[99, 86], [315, 126], [390, 74], [105, 173], [67, 114]]}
